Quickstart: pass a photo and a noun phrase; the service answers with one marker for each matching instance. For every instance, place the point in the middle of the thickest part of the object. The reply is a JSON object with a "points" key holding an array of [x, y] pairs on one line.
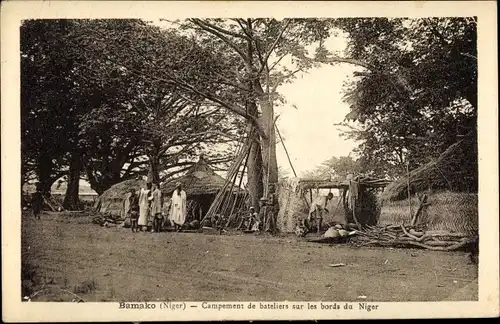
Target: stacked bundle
{"points": [[399, 236], [107, 220]]}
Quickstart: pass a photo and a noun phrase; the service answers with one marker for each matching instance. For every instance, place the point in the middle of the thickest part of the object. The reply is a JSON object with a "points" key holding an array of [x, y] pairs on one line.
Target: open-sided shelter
{"points": [[358, 201]]}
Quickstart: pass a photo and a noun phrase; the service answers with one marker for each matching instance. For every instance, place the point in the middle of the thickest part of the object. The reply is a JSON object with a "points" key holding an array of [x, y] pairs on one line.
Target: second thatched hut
{"points": [[200, 183]]}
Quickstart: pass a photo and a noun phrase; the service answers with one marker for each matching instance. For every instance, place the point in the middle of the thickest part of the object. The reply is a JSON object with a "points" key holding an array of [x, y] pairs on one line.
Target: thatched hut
{"points": [[200, 183], [450, 186], [455, 170], [111, 201]]}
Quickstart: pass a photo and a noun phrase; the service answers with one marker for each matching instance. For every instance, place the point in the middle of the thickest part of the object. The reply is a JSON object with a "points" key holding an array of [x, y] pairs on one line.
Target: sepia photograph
{"points": [[219, 163]]}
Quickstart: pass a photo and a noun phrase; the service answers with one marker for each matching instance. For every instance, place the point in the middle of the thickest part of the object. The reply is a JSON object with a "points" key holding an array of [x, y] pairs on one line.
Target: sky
{"points": [[310, 135]]}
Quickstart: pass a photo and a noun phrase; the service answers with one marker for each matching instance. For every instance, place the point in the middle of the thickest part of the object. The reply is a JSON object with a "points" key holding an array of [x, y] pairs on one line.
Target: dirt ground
{"points": [[71, 258]]}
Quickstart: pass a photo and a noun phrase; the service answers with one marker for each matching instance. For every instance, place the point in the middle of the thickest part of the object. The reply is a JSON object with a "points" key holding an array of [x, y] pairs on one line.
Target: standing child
{"points": [[134, 210], [37, 202], [254, 220], [248, 221]]}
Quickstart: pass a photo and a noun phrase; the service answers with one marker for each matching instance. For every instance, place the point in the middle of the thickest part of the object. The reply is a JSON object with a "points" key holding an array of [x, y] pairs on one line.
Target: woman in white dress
{"points": [[144, 206], [178, 207]]}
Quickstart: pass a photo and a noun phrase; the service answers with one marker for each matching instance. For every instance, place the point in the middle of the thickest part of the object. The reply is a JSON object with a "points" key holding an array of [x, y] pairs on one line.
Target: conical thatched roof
{"points": [[199, 180]]}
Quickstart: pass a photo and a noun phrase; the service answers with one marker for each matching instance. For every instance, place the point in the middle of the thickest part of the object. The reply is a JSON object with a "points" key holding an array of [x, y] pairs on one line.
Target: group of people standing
{"points": [[145, 209]]}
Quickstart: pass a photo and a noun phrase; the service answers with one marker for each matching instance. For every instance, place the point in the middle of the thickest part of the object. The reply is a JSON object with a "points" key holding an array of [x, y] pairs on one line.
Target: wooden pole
{"points": [[286, 151], [353, 199], [305, 199], [423, 203], [226, 198], [343, 198], [233, 182], [409, 195], [354, 214], [220, 195], [241, 178]]}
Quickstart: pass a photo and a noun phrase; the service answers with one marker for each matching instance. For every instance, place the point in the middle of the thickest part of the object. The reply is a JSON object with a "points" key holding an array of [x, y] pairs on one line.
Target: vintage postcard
{"points": [[234, 160]]}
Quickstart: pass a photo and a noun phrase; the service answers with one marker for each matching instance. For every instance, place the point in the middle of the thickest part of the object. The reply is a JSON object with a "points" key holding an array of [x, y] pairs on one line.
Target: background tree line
{"points": [[84, 116]]}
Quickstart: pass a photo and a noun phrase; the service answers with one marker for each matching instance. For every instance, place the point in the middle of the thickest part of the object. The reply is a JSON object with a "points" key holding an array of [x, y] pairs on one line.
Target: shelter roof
{"points": [[200, 179]]}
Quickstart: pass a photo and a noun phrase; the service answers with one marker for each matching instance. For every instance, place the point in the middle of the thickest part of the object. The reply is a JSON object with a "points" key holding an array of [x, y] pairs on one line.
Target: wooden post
{"points": [[302, 194], [354, 216], [286, 151], [422, 204], [343, 196], [409, 195], [241, 179], [354, 203]]}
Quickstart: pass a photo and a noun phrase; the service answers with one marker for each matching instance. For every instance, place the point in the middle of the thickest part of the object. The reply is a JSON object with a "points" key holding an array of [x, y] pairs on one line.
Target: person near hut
{"points": [[165, 212], [253, 220], [178, 207], [133, 211], [156, 208], [318, 208], [37, 202], [144, 206], [273, 209], [262, 212], [249, 220]]}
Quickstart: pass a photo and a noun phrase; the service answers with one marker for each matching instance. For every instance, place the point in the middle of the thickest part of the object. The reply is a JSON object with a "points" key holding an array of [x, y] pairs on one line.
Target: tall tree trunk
{"points": [[98, 186], [154, 162], [255, 184], [255, 168], [153, 172], [269, 161], [44, 172], [72, 197], [268, 144]]}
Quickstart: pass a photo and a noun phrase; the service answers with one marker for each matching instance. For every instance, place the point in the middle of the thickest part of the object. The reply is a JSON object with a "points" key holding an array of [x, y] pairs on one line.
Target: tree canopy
{"points": [[418, 92], [84, 114]]}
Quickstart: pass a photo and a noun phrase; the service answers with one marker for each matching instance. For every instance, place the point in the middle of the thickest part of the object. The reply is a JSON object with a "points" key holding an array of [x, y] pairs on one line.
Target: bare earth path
{"points": [[123, 266]]}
